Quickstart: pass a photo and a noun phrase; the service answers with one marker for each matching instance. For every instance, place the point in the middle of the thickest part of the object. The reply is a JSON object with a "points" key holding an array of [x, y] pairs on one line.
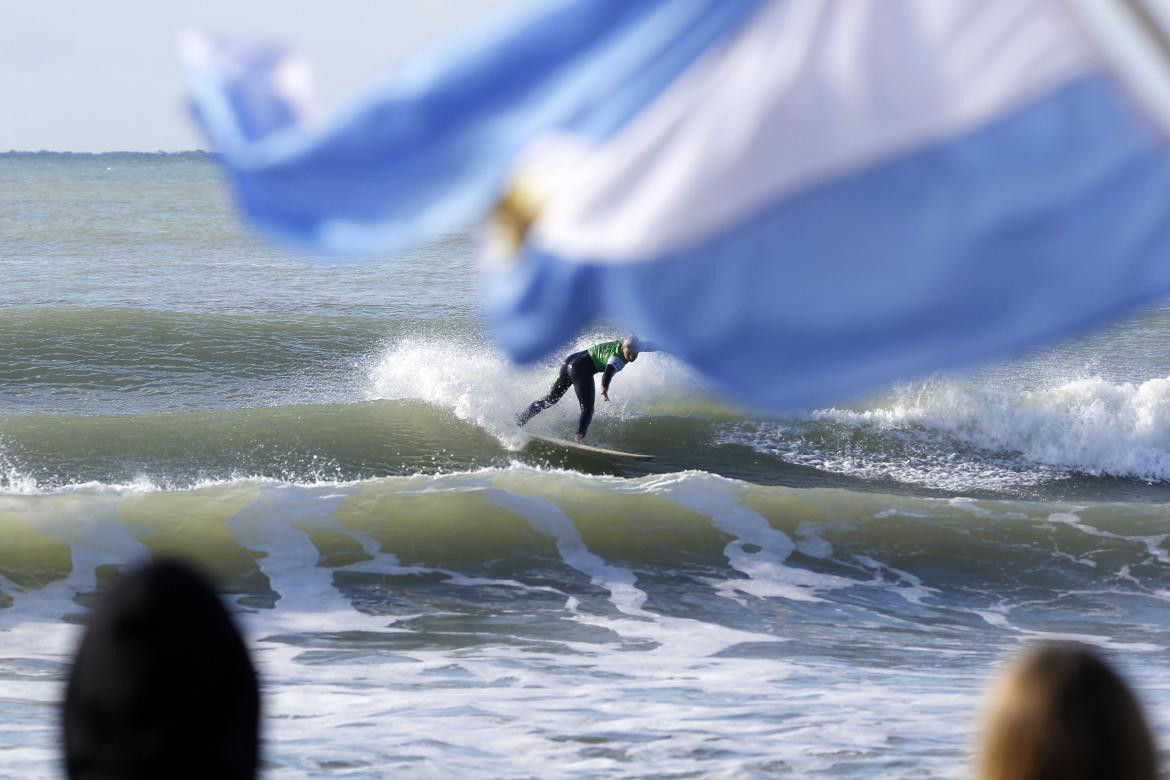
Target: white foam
{"points": [[92, 529], [913, 591], [674, 700], [1086, 425], [1098, 640], [977, 508], [996, 616], [1010, 437], [673, 635], [289, 560], [546, 517], [812, 543], [479, 384], [1154, 543], [12, 479], [768, 576]]}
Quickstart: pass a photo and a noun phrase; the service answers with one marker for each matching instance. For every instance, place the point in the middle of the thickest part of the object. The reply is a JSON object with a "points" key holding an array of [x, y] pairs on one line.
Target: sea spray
{"points": [[957, 434], [478, 383]]}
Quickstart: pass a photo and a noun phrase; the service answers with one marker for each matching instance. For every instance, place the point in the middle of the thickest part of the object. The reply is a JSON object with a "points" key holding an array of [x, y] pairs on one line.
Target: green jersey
{"points": [[601, 353]]}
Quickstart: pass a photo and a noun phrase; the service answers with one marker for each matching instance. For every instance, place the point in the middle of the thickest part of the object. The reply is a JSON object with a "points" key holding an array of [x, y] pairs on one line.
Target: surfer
{"points": [[578, 370]]}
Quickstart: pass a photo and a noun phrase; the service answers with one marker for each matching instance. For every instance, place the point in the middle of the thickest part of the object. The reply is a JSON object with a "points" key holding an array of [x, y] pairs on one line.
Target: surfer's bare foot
{"points": [[580, 439]]}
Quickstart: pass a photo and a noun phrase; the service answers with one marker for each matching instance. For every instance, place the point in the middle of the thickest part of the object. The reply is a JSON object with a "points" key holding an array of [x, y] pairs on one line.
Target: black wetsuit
{"points": [[577, 370]]}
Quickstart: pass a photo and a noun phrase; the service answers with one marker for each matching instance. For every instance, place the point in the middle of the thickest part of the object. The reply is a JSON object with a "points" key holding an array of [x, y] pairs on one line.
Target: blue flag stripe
{"points": [[428, 150], [1052, 219]]}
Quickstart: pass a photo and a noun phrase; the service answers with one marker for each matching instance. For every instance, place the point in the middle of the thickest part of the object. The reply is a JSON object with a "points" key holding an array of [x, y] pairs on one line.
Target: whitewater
{"points": [[825, 590]]}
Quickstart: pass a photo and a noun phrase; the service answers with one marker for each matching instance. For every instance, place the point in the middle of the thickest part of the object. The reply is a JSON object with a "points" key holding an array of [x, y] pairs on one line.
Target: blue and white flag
{"points": [[801, 198]]}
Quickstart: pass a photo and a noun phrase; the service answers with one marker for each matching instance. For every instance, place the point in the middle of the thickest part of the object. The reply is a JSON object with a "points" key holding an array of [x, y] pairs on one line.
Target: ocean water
{"points": [[823, 591]]}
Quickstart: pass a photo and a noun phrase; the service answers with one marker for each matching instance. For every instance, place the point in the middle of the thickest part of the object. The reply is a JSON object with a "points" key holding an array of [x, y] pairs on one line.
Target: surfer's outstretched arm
{"points": [[606, 378], [614, 365]]}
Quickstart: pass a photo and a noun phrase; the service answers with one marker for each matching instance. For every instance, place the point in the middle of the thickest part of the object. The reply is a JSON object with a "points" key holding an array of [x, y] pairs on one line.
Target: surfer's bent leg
{"points": [[581, 372], [559, 386]]}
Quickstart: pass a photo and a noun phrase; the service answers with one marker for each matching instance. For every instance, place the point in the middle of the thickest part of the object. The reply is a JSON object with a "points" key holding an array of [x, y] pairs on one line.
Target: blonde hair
{"points": [[1062, 712]]}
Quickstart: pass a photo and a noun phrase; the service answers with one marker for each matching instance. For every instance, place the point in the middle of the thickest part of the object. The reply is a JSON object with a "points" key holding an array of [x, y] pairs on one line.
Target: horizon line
{"points": [[106, 151]]}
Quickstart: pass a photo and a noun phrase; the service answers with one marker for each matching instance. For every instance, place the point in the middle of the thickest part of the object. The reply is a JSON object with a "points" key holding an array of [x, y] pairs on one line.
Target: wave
{"points": [[58, 350], [303, 443], [977, 561], [955, 435], [959, 435], [428, 402], [129, 335], [114, 396], [117, 360], [327, 442]]}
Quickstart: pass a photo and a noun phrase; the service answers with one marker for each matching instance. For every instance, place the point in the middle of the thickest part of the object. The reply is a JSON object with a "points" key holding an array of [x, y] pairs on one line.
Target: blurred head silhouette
{"points": [[1062, 712], [162, 686]]}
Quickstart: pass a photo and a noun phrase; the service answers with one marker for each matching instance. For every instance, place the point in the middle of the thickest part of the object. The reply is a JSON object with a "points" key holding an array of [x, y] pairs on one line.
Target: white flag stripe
{"points": [[1134, 38], [803, 94]]}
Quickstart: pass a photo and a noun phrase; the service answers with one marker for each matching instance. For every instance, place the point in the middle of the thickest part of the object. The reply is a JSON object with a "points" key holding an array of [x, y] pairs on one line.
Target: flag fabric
{"points": [[802, 198]]}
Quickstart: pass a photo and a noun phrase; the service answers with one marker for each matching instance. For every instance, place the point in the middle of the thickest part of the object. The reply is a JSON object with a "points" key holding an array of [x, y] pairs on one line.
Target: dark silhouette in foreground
{"points": [[162, 685], [1062, 712]]}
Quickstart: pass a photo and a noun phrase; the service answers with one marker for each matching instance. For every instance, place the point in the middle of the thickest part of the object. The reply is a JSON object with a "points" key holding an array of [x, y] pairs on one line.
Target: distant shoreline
{"points": [[46, 153]]}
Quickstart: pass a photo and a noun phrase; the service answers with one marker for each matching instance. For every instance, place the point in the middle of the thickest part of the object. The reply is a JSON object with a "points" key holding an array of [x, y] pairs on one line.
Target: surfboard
{"points": [[572, 445]]}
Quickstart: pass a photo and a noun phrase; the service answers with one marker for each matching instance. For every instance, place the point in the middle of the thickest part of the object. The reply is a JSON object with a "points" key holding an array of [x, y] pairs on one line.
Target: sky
{"points": [[98, 77]]}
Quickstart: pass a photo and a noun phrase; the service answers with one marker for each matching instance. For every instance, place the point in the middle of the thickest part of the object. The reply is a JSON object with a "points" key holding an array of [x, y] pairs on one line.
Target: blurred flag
{"points": [[801, 198]]}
